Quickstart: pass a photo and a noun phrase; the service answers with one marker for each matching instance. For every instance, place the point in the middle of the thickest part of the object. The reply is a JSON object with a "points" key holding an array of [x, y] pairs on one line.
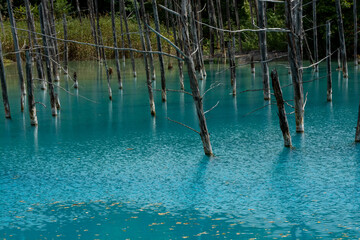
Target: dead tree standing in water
{"points": [[47, 60], [30, 92], [17, 54], [147, 70], [31, 25], [118, 71], [316, 54], [186, 21], [3, 85], [328, 61], [231, 53], [342, 39], [161, 59], [281, 108], [128, 36], [263, 49], [293, 13]]}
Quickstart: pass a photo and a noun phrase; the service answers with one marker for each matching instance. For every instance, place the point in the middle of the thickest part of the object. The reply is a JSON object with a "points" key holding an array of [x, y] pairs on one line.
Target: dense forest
{"points": [[246, 12]]}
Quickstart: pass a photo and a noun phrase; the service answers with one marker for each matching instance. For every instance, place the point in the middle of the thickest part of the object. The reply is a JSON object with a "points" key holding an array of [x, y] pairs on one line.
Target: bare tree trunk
{"points": [[355, 33], [47, 59], [307, 48], [161, 60], [316, 54], [293, 14], [93, 27], [3, 85], [177, 43], [235, 5], [170, 66], [17, 54], [30, 92], [231, 52], [128, 36], [342, 39], [66, 50], [186, 22], [252, 64], [122, 32], [357, 136], [252, 12], [56, 56], [147, 70], [39, 64], [221, 26], [284, 126], [263, 50], [328, 61], [118, 71], [2, 24], [102, 50], [78, 9]]}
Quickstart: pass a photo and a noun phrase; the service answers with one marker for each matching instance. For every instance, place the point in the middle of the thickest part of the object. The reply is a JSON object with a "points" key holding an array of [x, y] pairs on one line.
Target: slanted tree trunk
{"points": [[307, 48], [342, 39], [47, 60], [2, 24], [284, 126], [30, 92], [263, 49], [161, 60], [117, 61], [128, 36], [66, 50], [293, 13], [355, 33], [17, 54], [316, 54], [39, 65], [186, 21], [3, 85], [328, 61], [147, 70]]}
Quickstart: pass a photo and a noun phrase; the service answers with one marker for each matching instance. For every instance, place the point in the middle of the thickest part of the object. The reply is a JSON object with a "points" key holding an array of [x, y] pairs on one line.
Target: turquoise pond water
{"points": [[108, 170]]}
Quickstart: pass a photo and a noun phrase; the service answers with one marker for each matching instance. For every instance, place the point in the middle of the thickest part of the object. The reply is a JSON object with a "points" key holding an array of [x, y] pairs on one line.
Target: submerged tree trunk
{"points": [[284, 126], [47, 60], [186, 22], [342, 39], [316, 54], [293, 12], [147, 70], [117, 61], [263, 49], [161, 60], [328, 61], [231, 53], [30, 92], [3, 85], [17, 54]]}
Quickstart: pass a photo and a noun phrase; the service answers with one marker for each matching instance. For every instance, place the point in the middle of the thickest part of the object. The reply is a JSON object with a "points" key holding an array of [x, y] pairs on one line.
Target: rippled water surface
{"points": [[108, 170]]}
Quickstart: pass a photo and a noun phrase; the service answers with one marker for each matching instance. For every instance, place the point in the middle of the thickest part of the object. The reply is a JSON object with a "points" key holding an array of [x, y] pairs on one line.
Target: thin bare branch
{"points": [[212, 108], [184, 125]]}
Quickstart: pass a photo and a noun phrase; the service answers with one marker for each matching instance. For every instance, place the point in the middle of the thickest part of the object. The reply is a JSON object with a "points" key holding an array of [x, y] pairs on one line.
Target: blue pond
{"points": [[108, 170]]}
